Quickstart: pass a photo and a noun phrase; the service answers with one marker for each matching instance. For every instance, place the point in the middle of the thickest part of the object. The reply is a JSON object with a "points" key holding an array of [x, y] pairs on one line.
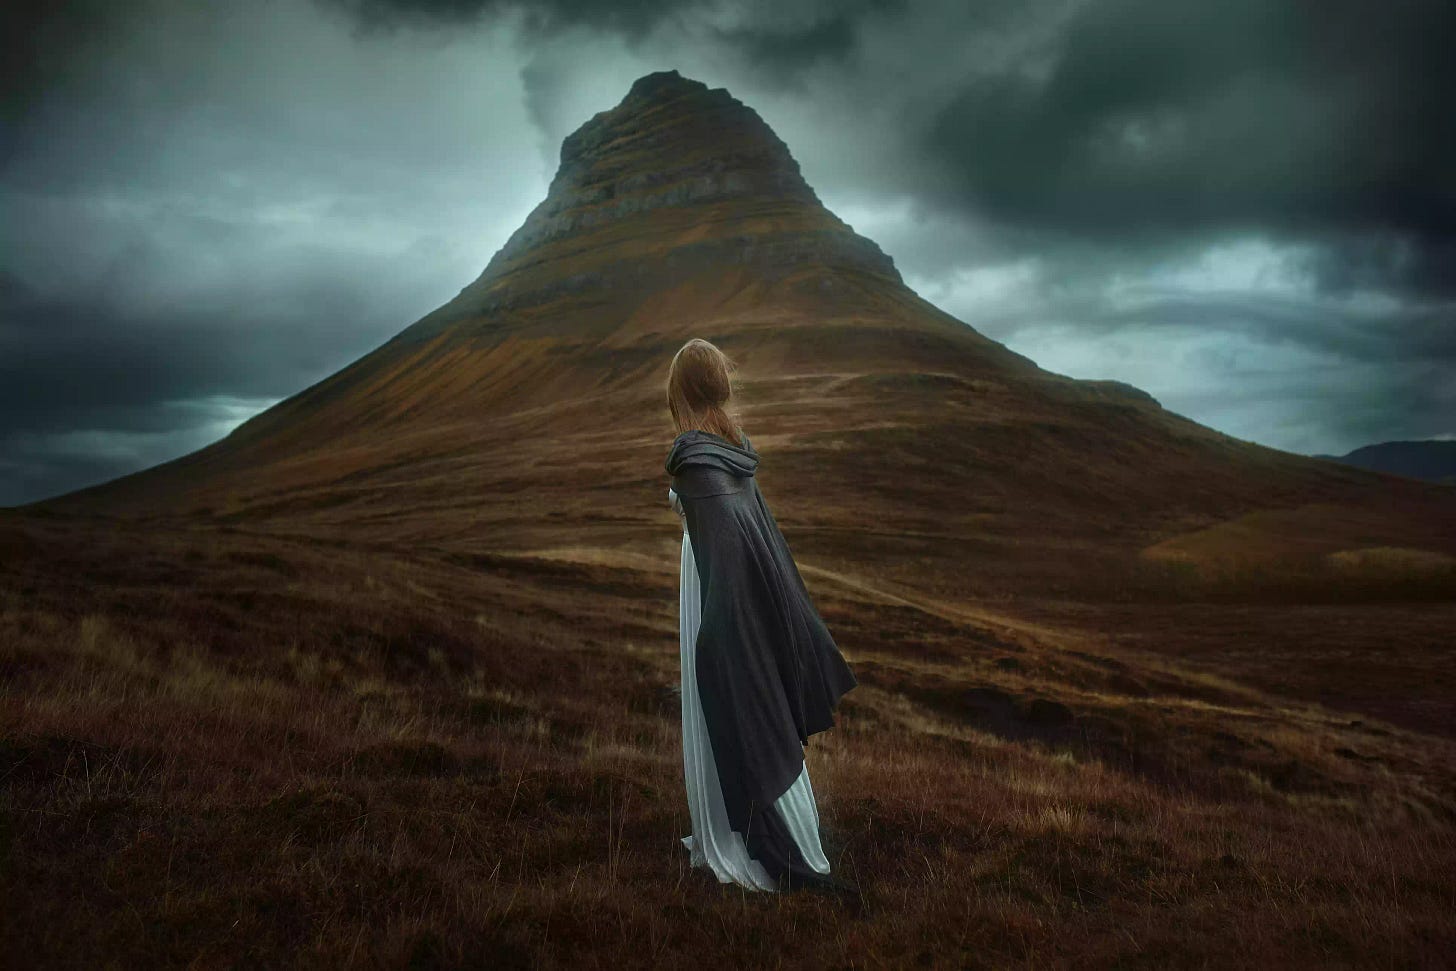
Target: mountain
{"points": [[528, 414], [1432, 459]]}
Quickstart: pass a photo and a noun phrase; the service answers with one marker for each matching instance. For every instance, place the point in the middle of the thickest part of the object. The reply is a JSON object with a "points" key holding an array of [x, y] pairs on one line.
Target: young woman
{"points": [[760, 671]]}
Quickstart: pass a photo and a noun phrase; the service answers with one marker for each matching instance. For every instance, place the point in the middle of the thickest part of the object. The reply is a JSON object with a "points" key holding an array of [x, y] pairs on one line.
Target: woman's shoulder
{"points": [[693, 434]]}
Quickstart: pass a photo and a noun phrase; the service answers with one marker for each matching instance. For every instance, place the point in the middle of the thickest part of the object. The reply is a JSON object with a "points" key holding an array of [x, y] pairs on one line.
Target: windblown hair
{"points": [[699, 386]]}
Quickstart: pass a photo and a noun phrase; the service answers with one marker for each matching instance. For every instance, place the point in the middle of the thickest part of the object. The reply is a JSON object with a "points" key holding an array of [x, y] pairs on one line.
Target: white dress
{"points": [[713, 843]]}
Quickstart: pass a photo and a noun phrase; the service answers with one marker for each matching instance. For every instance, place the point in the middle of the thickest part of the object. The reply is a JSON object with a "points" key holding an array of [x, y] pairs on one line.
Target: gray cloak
{"points": [[769, 673]]}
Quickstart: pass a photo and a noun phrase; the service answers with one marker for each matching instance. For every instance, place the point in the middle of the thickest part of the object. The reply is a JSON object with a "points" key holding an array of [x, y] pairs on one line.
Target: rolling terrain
{"points": [[386, 676]]}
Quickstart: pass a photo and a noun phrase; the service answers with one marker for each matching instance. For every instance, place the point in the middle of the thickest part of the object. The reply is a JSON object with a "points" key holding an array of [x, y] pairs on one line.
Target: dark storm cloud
{"points": [[39, 40], [785, 50], [1243, 341], [540, 17], [92, 387], [779, 40], [1408, 338], [210, 208], [1162, 118], [83, 362]]}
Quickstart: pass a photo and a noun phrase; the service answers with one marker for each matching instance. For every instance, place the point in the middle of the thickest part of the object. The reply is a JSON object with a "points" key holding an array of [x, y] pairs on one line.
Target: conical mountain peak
{"points": [[669, 129], [529, 413], [675, 177]]}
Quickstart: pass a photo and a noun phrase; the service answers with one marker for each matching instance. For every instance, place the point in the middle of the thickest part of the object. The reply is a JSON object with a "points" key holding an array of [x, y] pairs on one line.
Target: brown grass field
{"points": [[227, 748]]}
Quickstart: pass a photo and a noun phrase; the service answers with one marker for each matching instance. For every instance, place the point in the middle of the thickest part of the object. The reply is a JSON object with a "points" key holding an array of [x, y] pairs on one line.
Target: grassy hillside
{"points": [[226, 747]]}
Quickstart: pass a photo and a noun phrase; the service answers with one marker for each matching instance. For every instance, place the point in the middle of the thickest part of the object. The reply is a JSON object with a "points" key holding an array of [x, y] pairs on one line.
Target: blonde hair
{"points": [[699, 386]]}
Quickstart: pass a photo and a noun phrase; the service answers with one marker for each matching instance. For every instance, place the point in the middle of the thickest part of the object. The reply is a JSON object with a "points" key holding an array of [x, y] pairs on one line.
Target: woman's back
{"points": [[769, 674]]}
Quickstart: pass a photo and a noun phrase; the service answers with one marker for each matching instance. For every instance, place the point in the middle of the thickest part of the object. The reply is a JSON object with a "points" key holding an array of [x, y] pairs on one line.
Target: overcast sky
{"points": [[1246, 208]]}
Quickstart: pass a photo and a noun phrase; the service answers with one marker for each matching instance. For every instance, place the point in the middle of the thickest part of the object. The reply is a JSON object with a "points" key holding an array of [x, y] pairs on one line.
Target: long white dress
{"points": [[713, 843]]}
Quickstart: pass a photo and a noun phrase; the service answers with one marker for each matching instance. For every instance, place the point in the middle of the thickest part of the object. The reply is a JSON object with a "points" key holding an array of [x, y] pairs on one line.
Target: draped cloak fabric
{"points": [[769, 674], [713, 843]]}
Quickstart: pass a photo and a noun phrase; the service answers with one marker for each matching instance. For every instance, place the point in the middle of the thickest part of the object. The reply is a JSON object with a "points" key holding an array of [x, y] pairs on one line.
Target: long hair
{"points": [[699, 387]]}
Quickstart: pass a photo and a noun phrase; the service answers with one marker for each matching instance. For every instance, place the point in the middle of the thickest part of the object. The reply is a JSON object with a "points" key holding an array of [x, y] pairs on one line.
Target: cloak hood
{"points": [[697, 447]]}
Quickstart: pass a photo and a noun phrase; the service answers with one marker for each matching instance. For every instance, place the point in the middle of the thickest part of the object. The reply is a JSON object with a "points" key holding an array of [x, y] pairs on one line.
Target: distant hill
{"points": [[1432, 460]]}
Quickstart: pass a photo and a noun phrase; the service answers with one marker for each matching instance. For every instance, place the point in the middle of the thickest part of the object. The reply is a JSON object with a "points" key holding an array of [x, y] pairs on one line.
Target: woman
{"points": [[760, 671]]}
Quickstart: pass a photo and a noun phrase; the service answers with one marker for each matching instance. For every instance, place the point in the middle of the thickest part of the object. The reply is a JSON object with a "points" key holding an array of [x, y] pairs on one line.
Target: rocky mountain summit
{"points": [[676, 149]]}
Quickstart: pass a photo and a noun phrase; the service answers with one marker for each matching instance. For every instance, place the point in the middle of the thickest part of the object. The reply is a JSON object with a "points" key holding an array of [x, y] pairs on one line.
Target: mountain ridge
{"points": [[1432, 459]]}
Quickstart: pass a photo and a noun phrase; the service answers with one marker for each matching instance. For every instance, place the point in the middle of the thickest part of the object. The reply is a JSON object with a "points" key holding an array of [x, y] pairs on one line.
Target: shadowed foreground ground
{"points": [[223, 748]]}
